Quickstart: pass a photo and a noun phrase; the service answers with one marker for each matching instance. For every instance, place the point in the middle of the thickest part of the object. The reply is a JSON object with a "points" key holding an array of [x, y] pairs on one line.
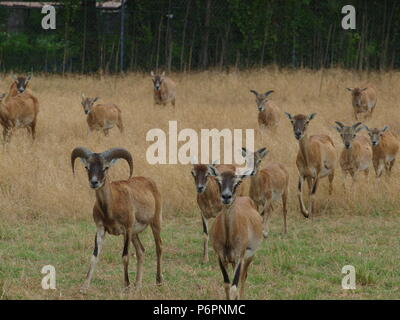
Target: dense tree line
{"points": [[186, 35]]}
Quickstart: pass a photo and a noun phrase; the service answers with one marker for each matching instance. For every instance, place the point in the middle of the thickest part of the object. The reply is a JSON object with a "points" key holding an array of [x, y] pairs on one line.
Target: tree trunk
{"points": [[206, 35]]}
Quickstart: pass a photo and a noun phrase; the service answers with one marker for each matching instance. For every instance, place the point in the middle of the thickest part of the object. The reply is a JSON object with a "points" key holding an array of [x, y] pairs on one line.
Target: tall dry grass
{"points": [[36, 179]]}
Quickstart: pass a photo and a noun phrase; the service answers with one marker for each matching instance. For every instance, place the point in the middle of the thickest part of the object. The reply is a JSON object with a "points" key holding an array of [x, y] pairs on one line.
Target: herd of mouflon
{"points": [[241, 214]]}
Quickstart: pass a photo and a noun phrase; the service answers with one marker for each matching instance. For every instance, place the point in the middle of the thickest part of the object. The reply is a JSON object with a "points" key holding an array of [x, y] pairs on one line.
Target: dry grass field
{"points": [[45, 212]]}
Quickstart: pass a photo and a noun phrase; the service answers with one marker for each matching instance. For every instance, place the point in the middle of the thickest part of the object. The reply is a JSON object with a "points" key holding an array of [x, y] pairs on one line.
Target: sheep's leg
{"points": [[236, 277], [267, 214], [224, 266], [284, 209], [205, 242], [156, 229], [139, 260], [98, 243], [300, 197], [330, 178], [243, 275], [312, 198], [125, 256]]}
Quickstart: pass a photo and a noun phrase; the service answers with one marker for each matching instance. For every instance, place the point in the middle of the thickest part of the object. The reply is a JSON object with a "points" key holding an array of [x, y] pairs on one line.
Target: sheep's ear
{"points": [[262, 152], [385, 128], [152, 73], [289, 116], [339, 126], [83, 96], [363, 89], [95, 99], [350, 89], [212, 170], [357, 127], [28, 78], [163, 74], [247, 172], [311, 116], [14, 77]]}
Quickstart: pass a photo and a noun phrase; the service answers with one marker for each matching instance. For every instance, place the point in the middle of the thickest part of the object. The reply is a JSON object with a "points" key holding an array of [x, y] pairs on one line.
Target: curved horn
{"points": [[79, 152], [254, 91], [268, 93], [119, 153], [341, 125], [356, 125]]}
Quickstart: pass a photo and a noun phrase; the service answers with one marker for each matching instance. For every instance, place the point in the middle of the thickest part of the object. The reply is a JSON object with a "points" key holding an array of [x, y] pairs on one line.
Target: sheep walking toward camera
{"points": [[164, 89], [124, 207]]}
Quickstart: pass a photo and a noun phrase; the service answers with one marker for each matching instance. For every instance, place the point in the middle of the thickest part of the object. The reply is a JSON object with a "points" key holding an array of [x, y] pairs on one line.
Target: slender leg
{"points": [[156, 229], [331, 177], [233, 290], [284, 210], [266, 216], [125, 256], [243, 275], [312, 198], [300, 196], [223, 266], [205, 243], [98, 243], [379, 170], [139, 260]]}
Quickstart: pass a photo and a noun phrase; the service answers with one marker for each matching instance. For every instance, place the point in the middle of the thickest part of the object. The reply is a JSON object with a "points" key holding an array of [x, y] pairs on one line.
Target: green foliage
{"points": [[241, 33]]}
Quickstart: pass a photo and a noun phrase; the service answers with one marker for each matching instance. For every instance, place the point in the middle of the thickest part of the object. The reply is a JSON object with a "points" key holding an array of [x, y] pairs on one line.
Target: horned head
{"points": [[261, 99], [348, 133], [97, 164], [157, 80], [21, 82], [87, 103], [228, 181], [255, 158], [375, 134]]}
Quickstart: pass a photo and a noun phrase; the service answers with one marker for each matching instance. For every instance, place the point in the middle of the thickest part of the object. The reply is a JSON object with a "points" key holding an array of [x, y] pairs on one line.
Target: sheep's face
{"points": [[87, 104], [300, 123], [348, 134], [157, 80], [375, 135], [22, 83], [200, 174], [96, 168], [357, 94]]}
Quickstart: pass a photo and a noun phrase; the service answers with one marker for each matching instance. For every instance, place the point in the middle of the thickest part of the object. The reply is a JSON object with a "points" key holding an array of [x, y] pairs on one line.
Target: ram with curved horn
{"points": [[124, 207], [268, 112]]}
